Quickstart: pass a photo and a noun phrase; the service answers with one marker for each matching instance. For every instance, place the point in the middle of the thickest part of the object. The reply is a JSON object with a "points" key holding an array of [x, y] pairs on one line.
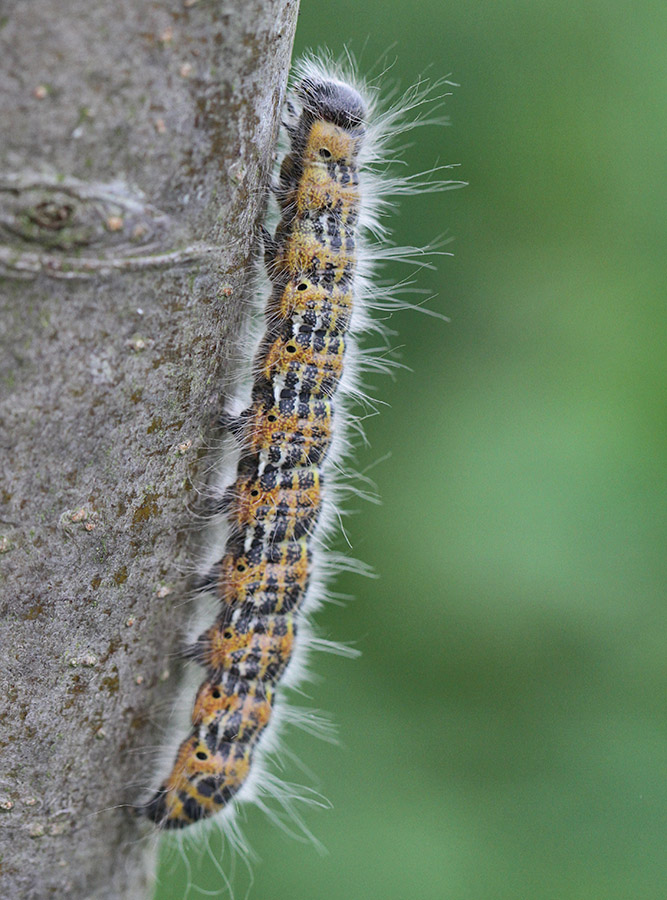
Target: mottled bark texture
{"points": [[135, 147]]}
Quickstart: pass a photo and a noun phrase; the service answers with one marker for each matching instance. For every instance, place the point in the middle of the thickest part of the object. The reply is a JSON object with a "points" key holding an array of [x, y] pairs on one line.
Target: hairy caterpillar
{"points": [[291, 436]]}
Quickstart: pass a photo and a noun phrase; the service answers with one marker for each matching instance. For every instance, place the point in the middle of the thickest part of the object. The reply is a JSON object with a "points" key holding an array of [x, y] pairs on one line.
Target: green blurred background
{"points": [[503, 734]]}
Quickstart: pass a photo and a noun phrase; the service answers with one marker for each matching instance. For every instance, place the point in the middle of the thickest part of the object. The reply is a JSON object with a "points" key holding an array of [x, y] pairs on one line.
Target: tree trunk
{"points": [[135, 145]]}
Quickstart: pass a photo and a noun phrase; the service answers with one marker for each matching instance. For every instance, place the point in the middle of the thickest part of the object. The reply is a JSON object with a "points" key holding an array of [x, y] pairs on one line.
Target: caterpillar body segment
{"points": [[248, 646], [306, 362], [284, 504], [295, 431], [236, 709], [308, 302], [268, 578]]}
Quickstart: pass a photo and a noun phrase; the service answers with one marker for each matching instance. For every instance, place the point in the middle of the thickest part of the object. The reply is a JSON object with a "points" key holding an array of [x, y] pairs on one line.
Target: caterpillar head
{"points": [[331, 127], [333, 102]]}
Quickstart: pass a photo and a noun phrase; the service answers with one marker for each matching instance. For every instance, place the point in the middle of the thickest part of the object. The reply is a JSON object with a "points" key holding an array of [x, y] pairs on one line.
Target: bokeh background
{"points": [[503, 734]]}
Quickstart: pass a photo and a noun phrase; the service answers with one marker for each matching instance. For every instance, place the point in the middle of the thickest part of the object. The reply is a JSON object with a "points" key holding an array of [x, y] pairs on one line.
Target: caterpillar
{"points": [[290, 437]]}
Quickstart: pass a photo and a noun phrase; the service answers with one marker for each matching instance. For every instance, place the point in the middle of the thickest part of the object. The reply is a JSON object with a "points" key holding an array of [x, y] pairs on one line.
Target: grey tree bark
{"points": [[135, 146]]}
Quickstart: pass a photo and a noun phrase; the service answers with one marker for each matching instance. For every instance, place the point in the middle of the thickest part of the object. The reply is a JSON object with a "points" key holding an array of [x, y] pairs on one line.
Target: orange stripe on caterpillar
{"points": [[311, 250], [320, 306], [307, 362], [248, 646], [294, 432], [270, 578], [285, 504], [233, 710]]}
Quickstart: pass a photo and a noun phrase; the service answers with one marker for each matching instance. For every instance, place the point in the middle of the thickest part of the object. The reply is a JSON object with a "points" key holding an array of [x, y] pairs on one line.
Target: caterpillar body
{"points": [[291, 437]]}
